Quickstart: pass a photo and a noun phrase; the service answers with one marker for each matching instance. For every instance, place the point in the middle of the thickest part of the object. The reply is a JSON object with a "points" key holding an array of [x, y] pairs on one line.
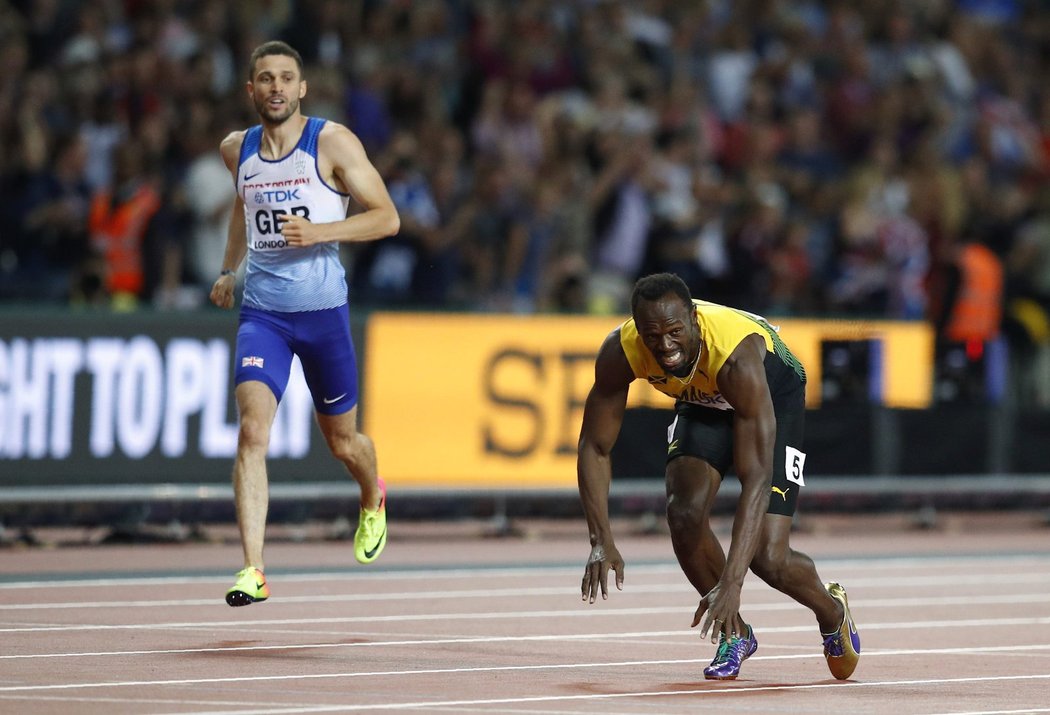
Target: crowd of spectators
{"points": [[820, 157]]}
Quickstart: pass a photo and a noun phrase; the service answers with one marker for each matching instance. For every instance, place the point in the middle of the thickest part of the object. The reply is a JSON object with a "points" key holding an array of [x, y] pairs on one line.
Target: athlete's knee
{"points": [[770, 562], [341, 444], [687, 514], [689, 496], [254, 434], [349, 446]]}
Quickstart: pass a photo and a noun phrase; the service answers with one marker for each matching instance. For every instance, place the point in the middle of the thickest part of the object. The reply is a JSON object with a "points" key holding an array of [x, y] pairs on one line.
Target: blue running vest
{"points": [[279, 277]]}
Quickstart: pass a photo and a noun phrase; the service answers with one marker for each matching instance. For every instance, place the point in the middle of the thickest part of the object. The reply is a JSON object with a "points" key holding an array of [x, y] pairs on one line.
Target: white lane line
{"points": [[610, 696], [458, 594], [510, 668], [1025, 711], [399, 574], [426, 574], [679, 586], [600, 696], [403, 618], [864, 604], [84, 699], [972, 623]]}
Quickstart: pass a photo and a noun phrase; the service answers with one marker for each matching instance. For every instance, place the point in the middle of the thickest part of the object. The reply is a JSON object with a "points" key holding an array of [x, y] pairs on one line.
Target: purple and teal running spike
{"points": [[730, 655]]}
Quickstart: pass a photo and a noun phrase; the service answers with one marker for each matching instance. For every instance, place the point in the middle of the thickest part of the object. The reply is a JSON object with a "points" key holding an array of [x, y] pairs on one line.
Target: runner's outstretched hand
{"points": [[721, 605], [596, 572]]}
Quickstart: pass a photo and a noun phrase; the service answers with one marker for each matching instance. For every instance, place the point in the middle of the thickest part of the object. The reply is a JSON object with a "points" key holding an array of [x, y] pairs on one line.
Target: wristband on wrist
{"points": [[226, 272]]}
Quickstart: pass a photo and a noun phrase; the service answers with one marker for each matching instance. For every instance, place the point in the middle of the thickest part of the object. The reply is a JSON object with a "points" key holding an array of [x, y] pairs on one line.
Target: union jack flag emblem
{"points": [[252, 362]]}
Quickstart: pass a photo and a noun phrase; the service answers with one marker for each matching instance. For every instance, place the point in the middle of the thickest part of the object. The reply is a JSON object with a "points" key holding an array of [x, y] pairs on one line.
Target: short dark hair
{"points": [[656, 286], [274, 47]]}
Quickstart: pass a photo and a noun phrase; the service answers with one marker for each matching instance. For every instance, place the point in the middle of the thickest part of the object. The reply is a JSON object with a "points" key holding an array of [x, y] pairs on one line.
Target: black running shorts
{"points": [[707, 434]]}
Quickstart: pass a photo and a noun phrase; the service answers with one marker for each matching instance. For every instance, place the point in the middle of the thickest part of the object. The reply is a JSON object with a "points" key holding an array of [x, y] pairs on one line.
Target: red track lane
{"points": [[953, 620]]}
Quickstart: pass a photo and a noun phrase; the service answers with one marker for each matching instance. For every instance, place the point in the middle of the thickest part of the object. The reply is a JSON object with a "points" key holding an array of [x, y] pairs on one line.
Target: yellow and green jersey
{"points": [[721, 330]]}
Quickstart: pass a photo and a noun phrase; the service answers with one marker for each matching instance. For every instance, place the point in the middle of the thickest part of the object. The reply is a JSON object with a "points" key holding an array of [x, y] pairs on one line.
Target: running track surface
{"points": [[954, 620]]}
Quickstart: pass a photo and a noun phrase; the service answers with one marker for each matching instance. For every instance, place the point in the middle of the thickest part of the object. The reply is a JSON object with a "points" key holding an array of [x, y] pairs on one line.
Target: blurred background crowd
{"points": [[803, 157]]}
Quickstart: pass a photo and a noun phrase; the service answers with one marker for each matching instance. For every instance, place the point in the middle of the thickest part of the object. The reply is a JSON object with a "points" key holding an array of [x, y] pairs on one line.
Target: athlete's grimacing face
{"points": [[669, 331], [276, 88]]}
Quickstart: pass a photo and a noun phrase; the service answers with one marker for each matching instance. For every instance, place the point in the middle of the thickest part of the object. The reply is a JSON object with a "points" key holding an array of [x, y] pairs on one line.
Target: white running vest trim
{"points": [[279, 277]]}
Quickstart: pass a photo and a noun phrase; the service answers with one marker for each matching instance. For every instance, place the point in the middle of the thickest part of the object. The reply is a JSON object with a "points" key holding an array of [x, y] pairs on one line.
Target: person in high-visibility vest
{"points": [[119, 222], [973, 305]]}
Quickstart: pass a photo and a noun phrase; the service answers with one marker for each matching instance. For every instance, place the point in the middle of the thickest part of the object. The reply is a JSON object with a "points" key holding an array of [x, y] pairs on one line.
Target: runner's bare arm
{"points": [[343, 163], [236, 235], [742, 381], [602, 418]]}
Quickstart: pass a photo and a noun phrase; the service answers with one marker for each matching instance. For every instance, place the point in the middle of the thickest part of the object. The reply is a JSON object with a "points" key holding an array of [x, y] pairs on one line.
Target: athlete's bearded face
{"points": [[669, 330], [276, 88]]}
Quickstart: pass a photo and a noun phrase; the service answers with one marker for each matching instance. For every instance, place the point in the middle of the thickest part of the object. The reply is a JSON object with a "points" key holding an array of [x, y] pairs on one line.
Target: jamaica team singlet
{"points": [[721, 331], [279, 277]]}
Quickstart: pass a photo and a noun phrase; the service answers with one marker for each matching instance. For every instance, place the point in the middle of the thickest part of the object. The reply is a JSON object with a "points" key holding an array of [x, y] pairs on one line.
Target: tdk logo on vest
{"points": [[276, 196]]}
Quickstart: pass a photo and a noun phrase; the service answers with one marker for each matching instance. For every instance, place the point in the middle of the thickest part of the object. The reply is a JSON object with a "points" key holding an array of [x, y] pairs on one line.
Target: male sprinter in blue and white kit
{"points": [[294, 177], [739, 401]]}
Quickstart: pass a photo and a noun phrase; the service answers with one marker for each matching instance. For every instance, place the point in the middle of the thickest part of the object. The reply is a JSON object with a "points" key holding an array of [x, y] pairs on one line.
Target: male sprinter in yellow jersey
{"points": [[740, 402]]}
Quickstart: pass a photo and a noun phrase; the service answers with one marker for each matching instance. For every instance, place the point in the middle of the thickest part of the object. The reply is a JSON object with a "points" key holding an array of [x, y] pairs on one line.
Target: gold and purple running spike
{"points": [[842, 648]]}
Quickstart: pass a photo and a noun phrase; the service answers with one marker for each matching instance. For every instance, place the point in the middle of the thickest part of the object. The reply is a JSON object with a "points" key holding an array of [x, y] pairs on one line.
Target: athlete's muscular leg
{"points": [[793, 573], [355, 450], [257, 407], [691, 487]]}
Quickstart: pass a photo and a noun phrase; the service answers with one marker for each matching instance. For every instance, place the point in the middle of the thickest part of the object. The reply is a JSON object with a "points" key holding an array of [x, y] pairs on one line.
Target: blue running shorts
{"points": [[266, 341]]}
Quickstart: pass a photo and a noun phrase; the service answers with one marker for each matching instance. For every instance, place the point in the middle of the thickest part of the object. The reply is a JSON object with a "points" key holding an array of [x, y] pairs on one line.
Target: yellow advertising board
{"points": [[478, 400], [902, 355], [497, 400]]}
